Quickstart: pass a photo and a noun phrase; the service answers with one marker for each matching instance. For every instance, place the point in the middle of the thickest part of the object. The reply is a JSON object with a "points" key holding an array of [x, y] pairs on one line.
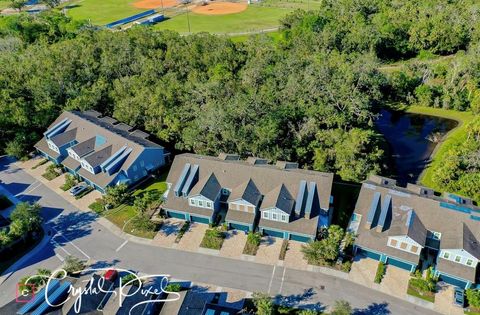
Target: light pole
{"points": [[186, 2]]}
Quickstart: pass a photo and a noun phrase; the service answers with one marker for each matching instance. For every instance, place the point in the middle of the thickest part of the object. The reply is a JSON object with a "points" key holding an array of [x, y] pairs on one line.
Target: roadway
{"points": [[78, 233]]}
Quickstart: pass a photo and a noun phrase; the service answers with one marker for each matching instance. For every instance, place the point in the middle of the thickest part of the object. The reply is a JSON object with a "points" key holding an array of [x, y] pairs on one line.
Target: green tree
{"points": [[18, 4], [325, 250], [147, 201], [16, 148], [116, 195], [342, 308], [263, 303], [51, 3], [473, 297]]}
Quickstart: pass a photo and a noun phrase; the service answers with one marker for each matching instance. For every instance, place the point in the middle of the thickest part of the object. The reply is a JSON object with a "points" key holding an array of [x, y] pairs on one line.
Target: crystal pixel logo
{"points": [[24, 293]]}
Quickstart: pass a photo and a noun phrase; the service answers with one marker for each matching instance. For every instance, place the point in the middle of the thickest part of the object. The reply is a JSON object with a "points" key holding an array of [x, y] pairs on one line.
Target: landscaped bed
{"points": [[424, 295], [252, 244], [52, 172], [213, 238], [423, 288]]}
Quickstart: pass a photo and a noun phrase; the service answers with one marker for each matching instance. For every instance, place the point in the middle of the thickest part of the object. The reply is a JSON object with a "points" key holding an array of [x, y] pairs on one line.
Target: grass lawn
{"points": [[102, 12], [472, 312], [213, 239], [4, 4], [253, 19], [427, 296], [454, 137]]}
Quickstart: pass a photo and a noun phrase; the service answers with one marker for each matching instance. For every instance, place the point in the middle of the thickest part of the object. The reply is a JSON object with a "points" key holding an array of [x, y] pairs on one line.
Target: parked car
{"points": [[111, 275], [459, 297], [74, 191]]}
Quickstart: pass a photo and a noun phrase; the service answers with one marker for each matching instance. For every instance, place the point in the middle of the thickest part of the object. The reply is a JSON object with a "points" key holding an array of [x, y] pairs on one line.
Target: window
{"points": [[393, 243], [414, 249], [469, 262], [437, 235], [224, 191], [274, 216], [446, 255], [403, 245], [192, 202], [209, 204], [458, 258], [200, 203], [284, 218], [265, 215]]}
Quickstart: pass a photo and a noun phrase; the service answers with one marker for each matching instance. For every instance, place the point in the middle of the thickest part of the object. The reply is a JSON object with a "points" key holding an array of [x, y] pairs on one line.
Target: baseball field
{"points": [[221, 17]]}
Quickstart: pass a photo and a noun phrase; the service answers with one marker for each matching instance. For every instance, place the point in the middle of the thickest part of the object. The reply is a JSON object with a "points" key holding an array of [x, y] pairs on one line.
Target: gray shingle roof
{"points": [[64, 137], [280, 198], [98, 157], [407, 223], [84, 147], [458, 230], [208, 187], [246, 191]]}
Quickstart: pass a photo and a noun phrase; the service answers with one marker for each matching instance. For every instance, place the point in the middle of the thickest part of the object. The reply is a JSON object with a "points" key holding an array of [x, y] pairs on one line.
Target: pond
{"points": [[411, 139]]}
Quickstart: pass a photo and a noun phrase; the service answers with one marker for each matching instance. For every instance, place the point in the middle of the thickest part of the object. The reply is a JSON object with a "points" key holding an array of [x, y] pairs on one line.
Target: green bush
{"points": [[283, 250], [213, 239], [346, 266], [253, 241], [143, 223], [473, 297], [130, 279], [381, 269], [73, 265], [42, 162], [69, 182], [173, 287], [51, 172], [182, 231], [97, 206]]}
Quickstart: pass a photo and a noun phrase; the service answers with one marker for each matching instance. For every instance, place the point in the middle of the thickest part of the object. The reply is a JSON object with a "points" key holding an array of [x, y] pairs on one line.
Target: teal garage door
{"points": [[176, 215], [399, 264], [199, 219], [273, 233], [453, 281], [300, 238], [368, 254], [240, 227]]}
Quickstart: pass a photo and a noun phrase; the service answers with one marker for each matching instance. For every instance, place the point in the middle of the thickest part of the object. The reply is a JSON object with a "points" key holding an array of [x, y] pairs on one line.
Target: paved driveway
{"points": [[79, 234]]}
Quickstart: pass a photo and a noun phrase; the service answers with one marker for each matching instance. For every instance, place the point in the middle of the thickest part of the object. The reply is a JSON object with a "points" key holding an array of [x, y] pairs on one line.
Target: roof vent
{"points": [[256, 161], [124, 127], [92, 113], [380, 180], [285, 165], [420, 190], [140, 134], [228, 157], [108, 120]]}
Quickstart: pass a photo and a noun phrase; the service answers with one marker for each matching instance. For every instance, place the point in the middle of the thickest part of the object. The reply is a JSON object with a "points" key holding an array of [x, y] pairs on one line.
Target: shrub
{"points": [[213, 239], [116, 195], [283, 250], [143, 223], [173, 287], [97, 206], [342, 308], [69, 182], [381, 269], [326, 250], [263, 303], [253, 241], [346, 266], [182, 231], [130, 279], [51, 172], [148, 201], [473, 297], [42, 162], [73, 265]]}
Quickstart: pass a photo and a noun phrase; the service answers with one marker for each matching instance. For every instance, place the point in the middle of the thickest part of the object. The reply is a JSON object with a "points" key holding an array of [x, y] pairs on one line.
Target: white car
{"points": [[74, 191]]}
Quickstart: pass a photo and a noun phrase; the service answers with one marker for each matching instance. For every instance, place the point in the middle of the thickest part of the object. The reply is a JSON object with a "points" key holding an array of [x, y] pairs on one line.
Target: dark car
{"points": [[459, 297]]}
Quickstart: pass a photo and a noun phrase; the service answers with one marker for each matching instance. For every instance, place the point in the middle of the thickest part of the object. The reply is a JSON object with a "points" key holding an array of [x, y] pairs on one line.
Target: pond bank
{"points": [[452, 138]]}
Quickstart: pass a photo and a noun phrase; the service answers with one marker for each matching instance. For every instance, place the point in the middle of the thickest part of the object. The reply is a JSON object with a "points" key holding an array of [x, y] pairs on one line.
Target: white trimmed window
{"points": [[284, 218], [200, 203], [274, 216], [265, 215], [192, 202], [446, 255], [469, 262], [458, 259], [209, 204]]}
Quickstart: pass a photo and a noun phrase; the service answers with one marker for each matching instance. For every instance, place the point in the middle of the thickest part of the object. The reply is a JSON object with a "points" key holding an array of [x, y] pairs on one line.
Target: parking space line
{"points": [[60, 257], [61, 247], [71, 243], [38, 184], [271, 279], [283, 279], [121, 245]]}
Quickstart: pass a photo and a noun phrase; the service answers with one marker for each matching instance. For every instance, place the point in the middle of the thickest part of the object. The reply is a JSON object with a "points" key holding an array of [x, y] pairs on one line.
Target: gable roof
{"points": [[100, 156], [463, 239], [84, 147], [407, 223], [279, 198], [65, 137], [209, 187], [246, 191]]}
